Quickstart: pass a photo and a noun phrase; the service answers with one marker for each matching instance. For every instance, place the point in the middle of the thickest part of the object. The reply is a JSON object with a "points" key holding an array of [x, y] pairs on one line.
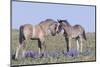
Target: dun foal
{"points": [[28, 31], [77, 32]]}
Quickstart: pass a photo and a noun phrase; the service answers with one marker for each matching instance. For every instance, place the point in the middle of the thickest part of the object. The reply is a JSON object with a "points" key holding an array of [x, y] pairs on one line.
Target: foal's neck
{"points": [[45, 26], [67, 27]]}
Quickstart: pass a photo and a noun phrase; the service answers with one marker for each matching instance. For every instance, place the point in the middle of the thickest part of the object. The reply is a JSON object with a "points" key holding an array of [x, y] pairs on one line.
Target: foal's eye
{"points": [[60, 26], [55, 28]]}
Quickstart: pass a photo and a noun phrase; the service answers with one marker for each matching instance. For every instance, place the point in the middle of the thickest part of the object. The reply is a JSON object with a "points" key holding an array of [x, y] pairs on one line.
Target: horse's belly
{"points": [[74, 35]]}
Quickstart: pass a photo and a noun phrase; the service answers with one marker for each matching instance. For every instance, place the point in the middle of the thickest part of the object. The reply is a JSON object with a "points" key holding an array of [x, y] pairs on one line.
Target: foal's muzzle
{"points": [[53, 34], [57, 32]]}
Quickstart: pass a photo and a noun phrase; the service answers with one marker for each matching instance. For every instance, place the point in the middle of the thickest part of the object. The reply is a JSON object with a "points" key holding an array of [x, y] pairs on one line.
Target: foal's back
{"points": [[32, 31], [77, 30], [28, 29]]}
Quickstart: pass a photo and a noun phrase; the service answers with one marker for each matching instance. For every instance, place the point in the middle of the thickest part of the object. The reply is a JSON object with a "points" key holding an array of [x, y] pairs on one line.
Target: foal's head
{"points": [[53, 29], [61, 25], [49, 24]]}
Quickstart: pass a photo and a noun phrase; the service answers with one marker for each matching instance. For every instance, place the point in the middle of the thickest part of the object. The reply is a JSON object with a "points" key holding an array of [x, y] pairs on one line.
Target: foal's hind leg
{"points": [[39, 46], [19, 49], [23, 50], [17, 52], [69, 41], [77, 41], [81, 44]]}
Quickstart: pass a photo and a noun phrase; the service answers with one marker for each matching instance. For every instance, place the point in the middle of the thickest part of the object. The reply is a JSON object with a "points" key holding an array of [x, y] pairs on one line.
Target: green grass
{"points": [[54, 43]]}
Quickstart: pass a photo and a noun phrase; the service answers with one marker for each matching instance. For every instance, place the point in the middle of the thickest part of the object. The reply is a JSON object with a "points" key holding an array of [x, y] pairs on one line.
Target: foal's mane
{"points": [[66, 22], [47, 20]]}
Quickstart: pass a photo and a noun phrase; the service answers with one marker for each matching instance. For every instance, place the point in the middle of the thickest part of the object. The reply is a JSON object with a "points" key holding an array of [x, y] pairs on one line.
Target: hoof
{"points": [[41, 55], [13, 57]]}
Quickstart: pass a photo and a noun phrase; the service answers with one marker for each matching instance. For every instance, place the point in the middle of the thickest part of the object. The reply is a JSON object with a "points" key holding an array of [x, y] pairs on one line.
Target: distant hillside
{"points": [[87, 33], [14, 30]]}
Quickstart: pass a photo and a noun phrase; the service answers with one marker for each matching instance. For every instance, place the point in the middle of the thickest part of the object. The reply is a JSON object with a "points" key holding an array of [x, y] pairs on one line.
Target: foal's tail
{"points": [[21, 35], [84, 35]]}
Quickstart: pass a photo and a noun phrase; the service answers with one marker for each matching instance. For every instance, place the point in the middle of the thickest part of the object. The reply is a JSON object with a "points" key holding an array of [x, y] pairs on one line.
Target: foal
{"points": [[38, 32], [77, 32]]}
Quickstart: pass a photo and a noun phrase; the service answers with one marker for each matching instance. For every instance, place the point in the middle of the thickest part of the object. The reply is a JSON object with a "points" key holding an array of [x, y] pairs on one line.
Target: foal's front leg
{"points": [[67, 44], [42, 47]]}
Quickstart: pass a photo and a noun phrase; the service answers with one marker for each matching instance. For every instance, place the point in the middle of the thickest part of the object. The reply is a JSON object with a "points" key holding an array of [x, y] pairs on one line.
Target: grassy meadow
{"points": [[55, 43]]}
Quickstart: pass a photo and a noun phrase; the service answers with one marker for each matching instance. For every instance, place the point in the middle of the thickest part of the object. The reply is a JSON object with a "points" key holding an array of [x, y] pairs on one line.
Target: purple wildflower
{"points": [[31, 54], [72, 52]]}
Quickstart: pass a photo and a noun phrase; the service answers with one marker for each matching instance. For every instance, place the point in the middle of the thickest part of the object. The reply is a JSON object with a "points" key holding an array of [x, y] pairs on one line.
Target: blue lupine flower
{"points": [[54, 54], [72, 52], [31, 54]]}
